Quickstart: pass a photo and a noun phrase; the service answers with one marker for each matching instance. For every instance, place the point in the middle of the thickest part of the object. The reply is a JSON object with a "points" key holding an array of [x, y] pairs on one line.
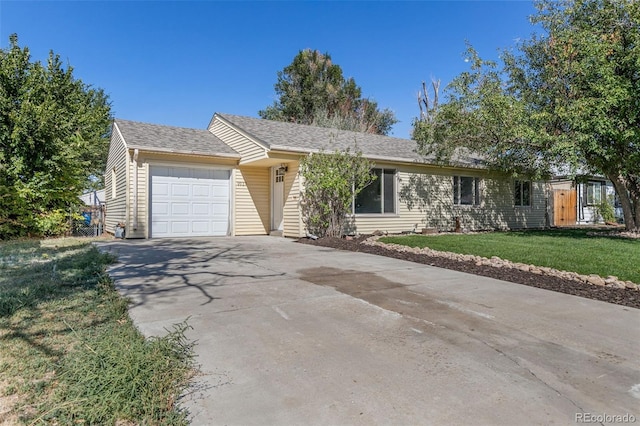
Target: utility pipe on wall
{"points": [[135, 189]]}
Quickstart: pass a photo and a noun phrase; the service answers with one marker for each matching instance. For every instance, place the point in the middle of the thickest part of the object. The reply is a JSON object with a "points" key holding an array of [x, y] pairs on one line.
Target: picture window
{"points": [[379, 196], [466, 191]]}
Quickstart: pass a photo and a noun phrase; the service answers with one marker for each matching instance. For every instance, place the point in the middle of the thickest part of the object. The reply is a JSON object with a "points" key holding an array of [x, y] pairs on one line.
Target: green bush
{"points": [[331, 182], [605, 211], [52, 224]]}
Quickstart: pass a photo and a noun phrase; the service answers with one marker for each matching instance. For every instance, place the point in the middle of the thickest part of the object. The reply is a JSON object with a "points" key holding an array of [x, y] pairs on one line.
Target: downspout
{"points": [[135, 189]]}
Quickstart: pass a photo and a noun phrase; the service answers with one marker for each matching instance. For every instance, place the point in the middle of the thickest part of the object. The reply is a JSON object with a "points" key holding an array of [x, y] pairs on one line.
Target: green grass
{"points": [[69, 353], [564, 249]]}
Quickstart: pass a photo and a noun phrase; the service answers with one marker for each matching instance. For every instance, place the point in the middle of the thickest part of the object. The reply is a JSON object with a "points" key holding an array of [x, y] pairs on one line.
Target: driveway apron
{"points": [[288, 333]]}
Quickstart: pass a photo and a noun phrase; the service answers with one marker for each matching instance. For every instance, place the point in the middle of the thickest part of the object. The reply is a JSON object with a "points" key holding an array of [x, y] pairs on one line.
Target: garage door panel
{"points": [[200, 209], [200, 190], [219, 192], [160, 189], [200, 227], [180, 190], [189, 201], [160, 208], [219, 209], [180, 227], [179, 209], [161, 227], [219, 228]]}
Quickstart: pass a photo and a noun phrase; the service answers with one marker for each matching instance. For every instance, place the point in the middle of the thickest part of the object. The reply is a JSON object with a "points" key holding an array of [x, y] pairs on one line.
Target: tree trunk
{"points": [[631, 214], [634, 194], [637, 206]]}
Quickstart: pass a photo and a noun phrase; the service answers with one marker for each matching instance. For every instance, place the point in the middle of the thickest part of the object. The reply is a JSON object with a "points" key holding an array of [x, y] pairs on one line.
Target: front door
{"points": [[564, 207], [277, 199]]}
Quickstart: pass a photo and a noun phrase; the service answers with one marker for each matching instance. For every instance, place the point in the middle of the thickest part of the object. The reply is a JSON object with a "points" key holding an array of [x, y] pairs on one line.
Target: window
{"points": [[522, 193], [380, 195], [113, 183], [594, 193], [466, 191]]}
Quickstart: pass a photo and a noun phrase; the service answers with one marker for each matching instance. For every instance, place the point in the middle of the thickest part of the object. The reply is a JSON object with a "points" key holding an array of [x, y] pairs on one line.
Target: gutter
{"points": [[181, 152], [277, 149]]}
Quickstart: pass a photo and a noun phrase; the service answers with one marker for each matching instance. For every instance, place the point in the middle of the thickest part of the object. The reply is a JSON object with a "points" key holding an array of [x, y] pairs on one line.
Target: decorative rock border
{"points": [[496, 262], [617, 234]]}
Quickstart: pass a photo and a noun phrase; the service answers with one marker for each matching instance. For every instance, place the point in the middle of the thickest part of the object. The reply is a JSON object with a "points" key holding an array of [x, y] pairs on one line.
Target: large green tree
{"points": [[313, 90], [566, 99], [53, 141]]}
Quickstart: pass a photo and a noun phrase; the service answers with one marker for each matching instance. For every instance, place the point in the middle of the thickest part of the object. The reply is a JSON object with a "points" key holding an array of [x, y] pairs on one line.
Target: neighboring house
{"points": [[240, 177], [575, 200], [93, 198]]}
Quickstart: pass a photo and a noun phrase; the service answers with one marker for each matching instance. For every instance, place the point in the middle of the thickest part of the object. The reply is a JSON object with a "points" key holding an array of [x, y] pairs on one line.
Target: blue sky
{"points": [[178, 62]]}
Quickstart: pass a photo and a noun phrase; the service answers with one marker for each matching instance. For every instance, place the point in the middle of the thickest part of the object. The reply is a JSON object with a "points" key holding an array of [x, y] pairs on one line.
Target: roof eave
{"points": [[414, 161], [177, 151]]}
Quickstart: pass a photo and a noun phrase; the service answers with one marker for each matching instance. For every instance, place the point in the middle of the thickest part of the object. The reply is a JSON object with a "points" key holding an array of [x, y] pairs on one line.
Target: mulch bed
{"points": [[624, 297]]}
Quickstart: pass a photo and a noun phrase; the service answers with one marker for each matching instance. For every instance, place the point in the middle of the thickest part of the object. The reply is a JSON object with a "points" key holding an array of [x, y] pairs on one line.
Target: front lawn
{"points": [[573, 250], [69, 354]]}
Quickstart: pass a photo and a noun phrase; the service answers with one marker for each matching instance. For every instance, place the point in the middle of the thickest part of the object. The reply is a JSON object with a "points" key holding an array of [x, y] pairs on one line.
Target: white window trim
{"points": [[593, 184], [395, 197], [523, 206], [477, 189]]}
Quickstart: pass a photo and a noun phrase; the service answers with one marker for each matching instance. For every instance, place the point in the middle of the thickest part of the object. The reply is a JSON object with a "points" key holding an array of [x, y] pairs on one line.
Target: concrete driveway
{"points": [[294, 334]]}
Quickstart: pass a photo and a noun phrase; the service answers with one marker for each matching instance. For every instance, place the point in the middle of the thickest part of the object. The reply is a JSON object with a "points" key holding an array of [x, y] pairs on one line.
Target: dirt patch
{"points": [[624, 297], [7, 403]]}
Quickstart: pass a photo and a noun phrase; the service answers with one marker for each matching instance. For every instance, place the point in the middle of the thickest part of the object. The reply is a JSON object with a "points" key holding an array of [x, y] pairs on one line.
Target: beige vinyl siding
{"points": [[252, 201], [248, 149], [293, 226], [139, 228], [412, 205], [118, 158], [425, 200], [500, 212]]}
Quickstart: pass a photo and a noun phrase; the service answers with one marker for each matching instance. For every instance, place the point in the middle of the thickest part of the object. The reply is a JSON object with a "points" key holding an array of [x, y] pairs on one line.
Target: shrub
{"points": [[605, 211], [331, 181], [52, 224]]}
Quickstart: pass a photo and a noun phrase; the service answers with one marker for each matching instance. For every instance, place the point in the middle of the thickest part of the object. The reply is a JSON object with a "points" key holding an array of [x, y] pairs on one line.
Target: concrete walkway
{"points": [[294, 334]]}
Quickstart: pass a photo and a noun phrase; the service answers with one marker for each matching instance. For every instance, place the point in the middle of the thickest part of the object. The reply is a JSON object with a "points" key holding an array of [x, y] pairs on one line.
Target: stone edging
{"points": [[496, 262]]}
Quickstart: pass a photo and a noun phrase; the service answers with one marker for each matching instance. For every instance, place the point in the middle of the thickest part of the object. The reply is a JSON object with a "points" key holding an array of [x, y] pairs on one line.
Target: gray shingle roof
{"points": [[278, 135], [173, 139]]}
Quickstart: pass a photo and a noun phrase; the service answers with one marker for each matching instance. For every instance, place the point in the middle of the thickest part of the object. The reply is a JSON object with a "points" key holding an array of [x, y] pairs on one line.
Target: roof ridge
{"points": [[311, 126]]}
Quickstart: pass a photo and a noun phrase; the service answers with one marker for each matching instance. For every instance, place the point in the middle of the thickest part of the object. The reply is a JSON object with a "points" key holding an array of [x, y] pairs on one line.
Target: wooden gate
{"points": [[564, 207]]}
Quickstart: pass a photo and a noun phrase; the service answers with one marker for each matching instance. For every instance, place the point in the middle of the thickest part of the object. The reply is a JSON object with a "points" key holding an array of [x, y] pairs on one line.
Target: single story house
{"points": [[575, 200], [240, 177]]}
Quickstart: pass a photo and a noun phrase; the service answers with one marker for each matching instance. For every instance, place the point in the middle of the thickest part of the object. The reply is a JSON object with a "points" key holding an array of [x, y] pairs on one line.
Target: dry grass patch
{"points": [[68, 350]]}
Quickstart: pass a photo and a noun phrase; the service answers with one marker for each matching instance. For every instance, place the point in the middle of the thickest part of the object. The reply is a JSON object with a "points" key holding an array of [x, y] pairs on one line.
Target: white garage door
{"points": [[189, 202]]}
